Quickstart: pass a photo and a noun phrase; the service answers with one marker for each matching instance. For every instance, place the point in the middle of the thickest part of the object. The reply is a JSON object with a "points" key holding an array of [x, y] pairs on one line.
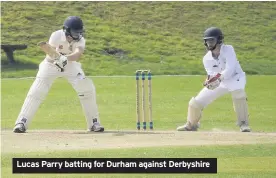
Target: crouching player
{"points": [[225, 75]]}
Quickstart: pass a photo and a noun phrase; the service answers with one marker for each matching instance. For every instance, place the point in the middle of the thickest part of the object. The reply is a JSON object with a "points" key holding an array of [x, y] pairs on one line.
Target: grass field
{"points": [[117, 110], [239, 154], [233, 161], [124, 36], [121, 37]]}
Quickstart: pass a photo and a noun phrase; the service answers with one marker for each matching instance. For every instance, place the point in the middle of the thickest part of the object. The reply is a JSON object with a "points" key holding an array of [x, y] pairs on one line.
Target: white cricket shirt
{"points": [[58, 40], [226, 64]]}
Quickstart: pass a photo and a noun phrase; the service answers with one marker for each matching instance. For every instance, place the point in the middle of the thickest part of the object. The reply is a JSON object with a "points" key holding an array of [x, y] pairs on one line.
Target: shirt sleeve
{"points": [[53, 39], [231, 61], [81, 44], [208, 67]]}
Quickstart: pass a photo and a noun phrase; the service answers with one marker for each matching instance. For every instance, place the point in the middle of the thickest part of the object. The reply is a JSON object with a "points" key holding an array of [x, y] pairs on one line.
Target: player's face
{"points": [[76, 34], [69, 39], [211, 43]]}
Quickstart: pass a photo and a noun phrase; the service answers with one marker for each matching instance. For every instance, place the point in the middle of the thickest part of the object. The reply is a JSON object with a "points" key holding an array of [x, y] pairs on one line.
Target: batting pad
{"points": [[87, 95], [194, 112], [35, 96], [240, 106]]}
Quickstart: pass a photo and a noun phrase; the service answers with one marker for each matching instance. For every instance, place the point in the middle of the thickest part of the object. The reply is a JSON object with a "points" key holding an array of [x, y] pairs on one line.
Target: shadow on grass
{"points": [[108, 132], [17, 66], [122, 133]]}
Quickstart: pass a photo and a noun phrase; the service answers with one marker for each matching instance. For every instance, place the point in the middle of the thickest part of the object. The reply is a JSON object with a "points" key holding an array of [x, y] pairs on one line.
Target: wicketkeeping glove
{"points": [[213, 82], [61, 62]]}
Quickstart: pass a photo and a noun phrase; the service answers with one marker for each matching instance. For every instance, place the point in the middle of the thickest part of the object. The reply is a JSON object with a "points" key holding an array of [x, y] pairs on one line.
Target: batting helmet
{"points": [[73, 27], [215, 34]]}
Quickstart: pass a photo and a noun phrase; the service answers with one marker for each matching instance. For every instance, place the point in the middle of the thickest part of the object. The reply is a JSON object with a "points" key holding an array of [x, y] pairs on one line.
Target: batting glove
{"points": [[61, 62]]}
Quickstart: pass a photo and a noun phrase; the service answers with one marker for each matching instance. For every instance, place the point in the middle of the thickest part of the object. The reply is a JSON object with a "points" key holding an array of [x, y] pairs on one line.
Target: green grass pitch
{"points": [[116, 100]]}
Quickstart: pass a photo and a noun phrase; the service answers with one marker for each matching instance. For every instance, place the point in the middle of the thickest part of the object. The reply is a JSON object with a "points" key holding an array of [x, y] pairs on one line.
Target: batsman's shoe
{"points": [[97, 127], [19, 128], [245, 128], [188, 127]]}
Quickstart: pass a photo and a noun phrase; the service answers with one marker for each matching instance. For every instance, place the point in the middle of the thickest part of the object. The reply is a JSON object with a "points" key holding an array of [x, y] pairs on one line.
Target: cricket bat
{"points": [[49, 50]]}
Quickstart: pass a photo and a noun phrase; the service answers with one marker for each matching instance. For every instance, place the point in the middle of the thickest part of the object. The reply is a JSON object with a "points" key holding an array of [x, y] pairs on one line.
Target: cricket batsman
{"points": [[70, 44], [225, 75]]}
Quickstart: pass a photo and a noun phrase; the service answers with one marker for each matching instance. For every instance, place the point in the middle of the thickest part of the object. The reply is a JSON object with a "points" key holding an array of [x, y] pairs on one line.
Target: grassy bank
{"points": [[124, 36]]}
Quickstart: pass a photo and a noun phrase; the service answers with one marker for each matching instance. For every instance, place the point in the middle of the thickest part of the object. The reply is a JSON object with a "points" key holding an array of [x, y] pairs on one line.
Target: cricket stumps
{"points": [[144, 75]]}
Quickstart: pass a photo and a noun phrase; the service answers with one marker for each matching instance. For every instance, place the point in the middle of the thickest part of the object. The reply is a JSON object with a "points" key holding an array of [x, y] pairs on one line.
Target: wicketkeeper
{"points": [[225, 75], [70, 43]]}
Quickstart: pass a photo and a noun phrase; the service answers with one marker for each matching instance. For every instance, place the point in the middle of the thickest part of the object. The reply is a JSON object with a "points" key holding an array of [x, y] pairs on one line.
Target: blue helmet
{"points": [[73, 27], [213, 33]]}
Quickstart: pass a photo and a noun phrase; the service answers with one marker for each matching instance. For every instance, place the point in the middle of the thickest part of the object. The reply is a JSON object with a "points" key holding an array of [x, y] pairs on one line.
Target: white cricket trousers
{"points": [[206, 96], [44, 79]]}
